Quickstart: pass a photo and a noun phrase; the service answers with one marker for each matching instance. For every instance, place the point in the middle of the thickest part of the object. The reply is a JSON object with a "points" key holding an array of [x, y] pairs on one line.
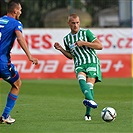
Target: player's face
{"points": [[18, 11], [74, 24]]}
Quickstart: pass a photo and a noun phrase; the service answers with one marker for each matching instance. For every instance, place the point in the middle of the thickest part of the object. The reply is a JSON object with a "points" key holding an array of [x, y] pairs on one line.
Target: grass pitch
{"points": [[55, 106]]}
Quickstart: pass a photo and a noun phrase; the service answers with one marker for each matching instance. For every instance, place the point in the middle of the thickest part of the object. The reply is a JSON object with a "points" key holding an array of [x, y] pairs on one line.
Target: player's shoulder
{"points": [[4, 20], [17, 22], [85, 29], [66, 36], [10, 19]]}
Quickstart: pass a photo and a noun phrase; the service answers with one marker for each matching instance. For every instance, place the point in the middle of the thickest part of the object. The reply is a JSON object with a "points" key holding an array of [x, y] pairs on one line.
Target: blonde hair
{"points": [[73, 15]]}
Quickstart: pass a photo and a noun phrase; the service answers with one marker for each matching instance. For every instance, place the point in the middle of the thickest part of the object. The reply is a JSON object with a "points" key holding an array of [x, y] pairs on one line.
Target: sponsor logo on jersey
{"points": [[91, 69], [72, 45], [1, 26], [4, 21]]}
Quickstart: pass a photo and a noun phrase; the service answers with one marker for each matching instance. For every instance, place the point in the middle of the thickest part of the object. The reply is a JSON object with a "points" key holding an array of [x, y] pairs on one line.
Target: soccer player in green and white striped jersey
{"points": [[80, 46]]}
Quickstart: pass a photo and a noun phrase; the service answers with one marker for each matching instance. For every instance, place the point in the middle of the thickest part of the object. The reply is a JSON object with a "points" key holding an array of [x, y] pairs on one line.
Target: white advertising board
{"points": [[41, 41]]}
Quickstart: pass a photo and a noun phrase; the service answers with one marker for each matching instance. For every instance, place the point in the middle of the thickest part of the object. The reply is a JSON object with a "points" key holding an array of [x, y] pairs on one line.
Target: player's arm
{"points": [[23, 44], [92, 41], [96, 44], [60, 48]]}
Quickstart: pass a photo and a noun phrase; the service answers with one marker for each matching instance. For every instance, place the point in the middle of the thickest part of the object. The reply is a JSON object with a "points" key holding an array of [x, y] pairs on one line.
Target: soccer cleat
{"points": [[90, 103], [8, 120], [87, 118]]}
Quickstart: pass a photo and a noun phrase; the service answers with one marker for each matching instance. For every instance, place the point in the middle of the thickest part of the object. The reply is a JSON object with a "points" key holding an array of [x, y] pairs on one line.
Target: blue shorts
{"points": [[8, 72]]}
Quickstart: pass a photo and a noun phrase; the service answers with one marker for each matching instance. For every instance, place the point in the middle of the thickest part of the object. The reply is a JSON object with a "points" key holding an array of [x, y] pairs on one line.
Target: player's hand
{"points": [[34, 60], [57, 46], [80, 43]]}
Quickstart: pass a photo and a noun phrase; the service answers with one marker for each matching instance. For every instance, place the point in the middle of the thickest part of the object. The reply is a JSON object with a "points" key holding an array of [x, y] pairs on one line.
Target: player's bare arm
{"points": [[60, 48], [23, 45], [95, 44]]}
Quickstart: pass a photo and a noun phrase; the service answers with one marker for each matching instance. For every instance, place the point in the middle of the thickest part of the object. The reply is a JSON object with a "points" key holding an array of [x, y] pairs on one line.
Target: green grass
{"points": [[55, 106]]}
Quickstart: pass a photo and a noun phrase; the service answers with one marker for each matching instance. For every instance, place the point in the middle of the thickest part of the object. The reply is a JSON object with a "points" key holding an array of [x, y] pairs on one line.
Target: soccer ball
{"points": [[108, 114]]}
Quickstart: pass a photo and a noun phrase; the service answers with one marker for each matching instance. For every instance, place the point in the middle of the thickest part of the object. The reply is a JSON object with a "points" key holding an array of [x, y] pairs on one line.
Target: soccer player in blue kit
{"points": [[11, 29]]}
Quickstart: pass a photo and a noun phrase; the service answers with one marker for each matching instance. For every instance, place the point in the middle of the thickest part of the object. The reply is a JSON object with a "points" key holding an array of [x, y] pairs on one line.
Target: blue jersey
{"points": [[8, 26]]}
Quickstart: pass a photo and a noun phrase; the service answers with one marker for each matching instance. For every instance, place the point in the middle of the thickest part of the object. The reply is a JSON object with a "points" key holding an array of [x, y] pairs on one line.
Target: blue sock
{"points": [[11, 100]]}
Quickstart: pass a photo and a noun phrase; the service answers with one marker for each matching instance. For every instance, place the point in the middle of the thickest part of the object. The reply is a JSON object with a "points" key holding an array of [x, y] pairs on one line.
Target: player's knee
{"points": [[18, 84], [81, 77]]}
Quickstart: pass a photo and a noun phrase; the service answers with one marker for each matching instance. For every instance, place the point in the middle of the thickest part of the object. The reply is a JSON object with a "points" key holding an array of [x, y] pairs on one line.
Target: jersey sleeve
{"points": [[66, 46], [19, 26], [90, 36]]}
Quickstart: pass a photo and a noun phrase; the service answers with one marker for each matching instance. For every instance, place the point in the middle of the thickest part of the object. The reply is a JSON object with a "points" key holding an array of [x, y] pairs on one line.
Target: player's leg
{"points": [[90, 102], [93, 74], [88, 109], [11, 98], [11, 76], [83, 85], [81, 76], [95, 77], [91, 88], [85, 88]]}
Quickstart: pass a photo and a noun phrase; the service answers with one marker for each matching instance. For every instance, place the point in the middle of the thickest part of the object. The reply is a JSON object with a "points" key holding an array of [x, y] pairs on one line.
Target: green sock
{"points": [[85, 89], [91, 88], [88, 109], [92, 93]]}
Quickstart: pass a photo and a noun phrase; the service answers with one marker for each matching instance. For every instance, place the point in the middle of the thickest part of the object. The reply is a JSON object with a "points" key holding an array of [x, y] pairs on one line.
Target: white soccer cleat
{"points": [[90, 103], [8, 120], [87, 118]]}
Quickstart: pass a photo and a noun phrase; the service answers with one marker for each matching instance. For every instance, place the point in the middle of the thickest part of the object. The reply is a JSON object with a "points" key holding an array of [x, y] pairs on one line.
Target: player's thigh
{"points": [[80, 70], [9, 73], [91, 80], [93, 72]]}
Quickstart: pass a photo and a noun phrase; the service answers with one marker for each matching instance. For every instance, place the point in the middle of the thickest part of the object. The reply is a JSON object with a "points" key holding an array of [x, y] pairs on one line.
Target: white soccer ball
{"points": [[108, 114]]}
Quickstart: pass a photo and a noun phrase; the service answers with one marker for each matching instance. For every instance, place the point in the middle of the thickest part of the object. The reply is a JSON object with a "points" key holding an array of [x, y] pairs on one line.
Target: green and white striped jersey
{"points": [[81, 55]]}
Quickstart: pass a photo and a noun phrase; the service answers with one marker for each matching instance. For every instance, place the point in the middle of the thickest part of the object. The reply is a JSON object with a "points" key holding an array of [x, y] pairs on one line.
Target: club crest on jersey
{"points": [[81, 38]]}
